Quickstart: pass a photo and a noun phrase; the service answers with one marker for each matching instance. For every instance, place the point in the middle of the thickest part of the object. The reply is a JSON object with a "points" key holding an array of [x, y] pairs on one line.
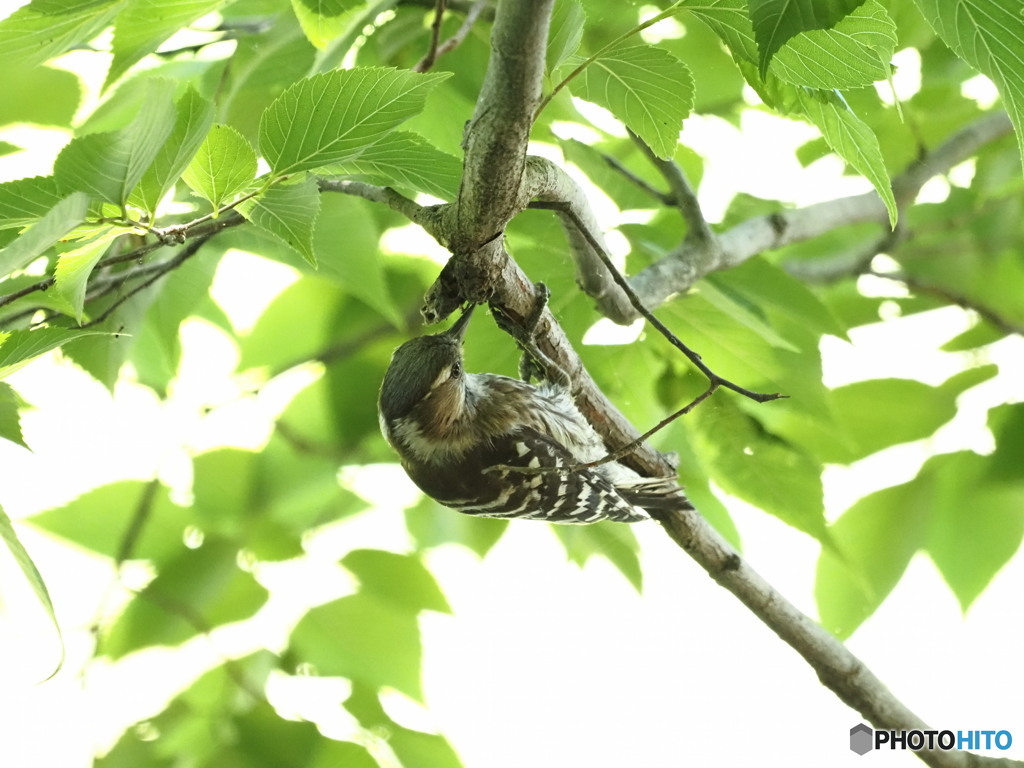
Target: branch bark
{"points": [[679, 270]]}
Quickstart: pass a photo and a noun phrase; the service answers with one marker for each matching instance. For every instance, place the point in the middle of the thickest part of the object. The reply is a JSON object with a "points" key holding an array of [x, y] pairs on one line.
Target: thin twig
{"points": [[619, 452], [664, 198], [638, 305], [430, 56], [472, 15], [187, 252], [684, 198]]}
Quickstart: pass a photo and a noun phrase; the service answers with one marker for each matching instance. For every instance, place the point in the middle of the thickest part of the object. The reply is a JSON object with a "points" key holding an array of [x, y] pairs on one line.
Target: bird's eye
{"points": [[456, 370]]}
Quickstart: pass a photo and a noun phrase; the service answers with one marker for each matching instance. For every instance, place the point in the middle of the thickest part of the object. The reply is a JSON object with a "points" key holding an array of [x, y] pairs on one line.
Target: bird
{"points": [[495, 446]]}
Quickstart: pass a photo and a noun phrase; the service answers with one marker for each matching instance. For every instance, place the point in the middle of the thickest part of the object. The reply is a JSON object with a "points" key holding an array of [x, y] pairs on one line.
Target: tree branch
{"points": [[493, 191], [678, 271]]}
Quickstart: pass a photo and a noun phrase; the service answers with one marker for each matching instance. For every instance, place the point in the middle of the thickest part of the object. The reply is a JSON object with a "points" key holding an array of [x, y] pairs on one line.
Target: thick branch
{"points": [[480, 270], [497, 136], [683, 267]]}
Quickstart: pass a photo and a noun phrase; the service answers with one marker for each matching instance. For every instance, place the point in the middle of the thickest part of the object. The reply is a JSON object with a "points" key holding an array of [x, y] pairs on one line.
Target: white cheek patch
{"points": [[442, 377]]}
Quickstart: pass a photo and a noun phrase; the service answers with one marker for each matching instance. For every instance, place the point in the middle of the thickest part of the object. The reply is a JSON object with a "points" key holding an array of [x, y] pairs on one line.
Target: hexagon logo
{"points": [[861, 738]]}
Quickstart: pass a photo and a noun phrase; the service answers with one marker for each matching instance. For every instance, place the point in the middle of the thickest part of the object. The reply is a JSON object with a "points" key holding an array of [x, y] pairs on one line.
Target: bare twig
{"points": [[187, 252], [683, 198], [664, 198], [427, 216], [714, 379], [472, 16], [430, 56], [678, 271]]}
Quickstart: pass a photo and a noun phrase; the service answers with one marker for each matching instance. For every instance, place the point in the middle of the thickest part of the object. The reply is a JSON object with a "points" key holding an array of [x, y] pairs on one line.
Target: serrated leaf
{"points": [[35, 579], [195, 114], [10, 420], [401, 580], [289, 212], [647, 88], [855, 53], [332, 117], [25, 200], [18, 348], [42, 30], [776, 21], [75, 266], [224, 165], [109, 165], [144, 24], [58, 222], [987, 34], [565, 32], [407, 161], [852, 139]]}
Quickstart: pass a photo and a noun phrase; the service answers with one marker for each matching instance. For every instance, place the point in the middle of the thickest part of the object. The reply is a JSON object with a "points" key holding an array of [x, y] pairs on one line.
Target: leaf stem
{"points": [[671, 11]]}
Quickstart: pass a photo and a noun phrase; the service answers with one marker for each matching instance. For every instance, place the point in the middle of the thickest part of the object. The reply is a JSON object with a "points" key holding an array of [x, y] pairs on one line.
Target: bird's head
{"points": [[424, 382]]}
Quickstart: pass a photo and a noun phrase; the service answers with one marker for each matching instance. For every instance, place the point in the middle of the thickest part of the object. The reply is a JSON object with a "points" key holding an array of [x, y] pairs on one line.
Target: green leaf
{"points": [[647, 88], [25, 200], [17, 348], [331, 118], [10, 421], [75, 266], [22, 102], [35, 579], [401, 580], [224, 166], [289, 212], [97, 520], [987, 34], [347, 249], [42, 30], [412, 748], [364, 639], [617, 543], [194, 117], [322, 28], [873, 543], [855, 53], [851, 139], [760, 468], [196, 591], [565, 33], [406, 161], [156, 351], [977, 525], [109, 165], [432, 525], [144, 24], [776, 21], [330, 7], [877, 413], [41, 236]]}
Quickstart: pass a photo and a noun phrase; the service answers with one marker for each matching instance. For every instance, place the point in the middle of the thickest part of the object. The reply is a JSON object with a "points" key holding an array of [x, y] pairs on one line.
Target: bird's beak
{"points": [[458, 330]]}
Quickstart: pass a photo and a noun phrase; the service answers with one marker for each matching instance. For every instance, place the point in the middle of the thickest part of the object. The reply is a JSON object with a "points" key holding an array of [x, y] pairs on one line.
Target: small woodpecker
{"points": [[462, 436]]}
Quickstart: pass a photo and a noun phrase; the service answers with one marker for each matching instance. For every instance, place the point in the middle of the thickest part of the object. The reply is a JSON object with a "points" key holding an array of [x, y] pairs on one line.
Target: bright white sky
{"points": [[542, 664]]}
